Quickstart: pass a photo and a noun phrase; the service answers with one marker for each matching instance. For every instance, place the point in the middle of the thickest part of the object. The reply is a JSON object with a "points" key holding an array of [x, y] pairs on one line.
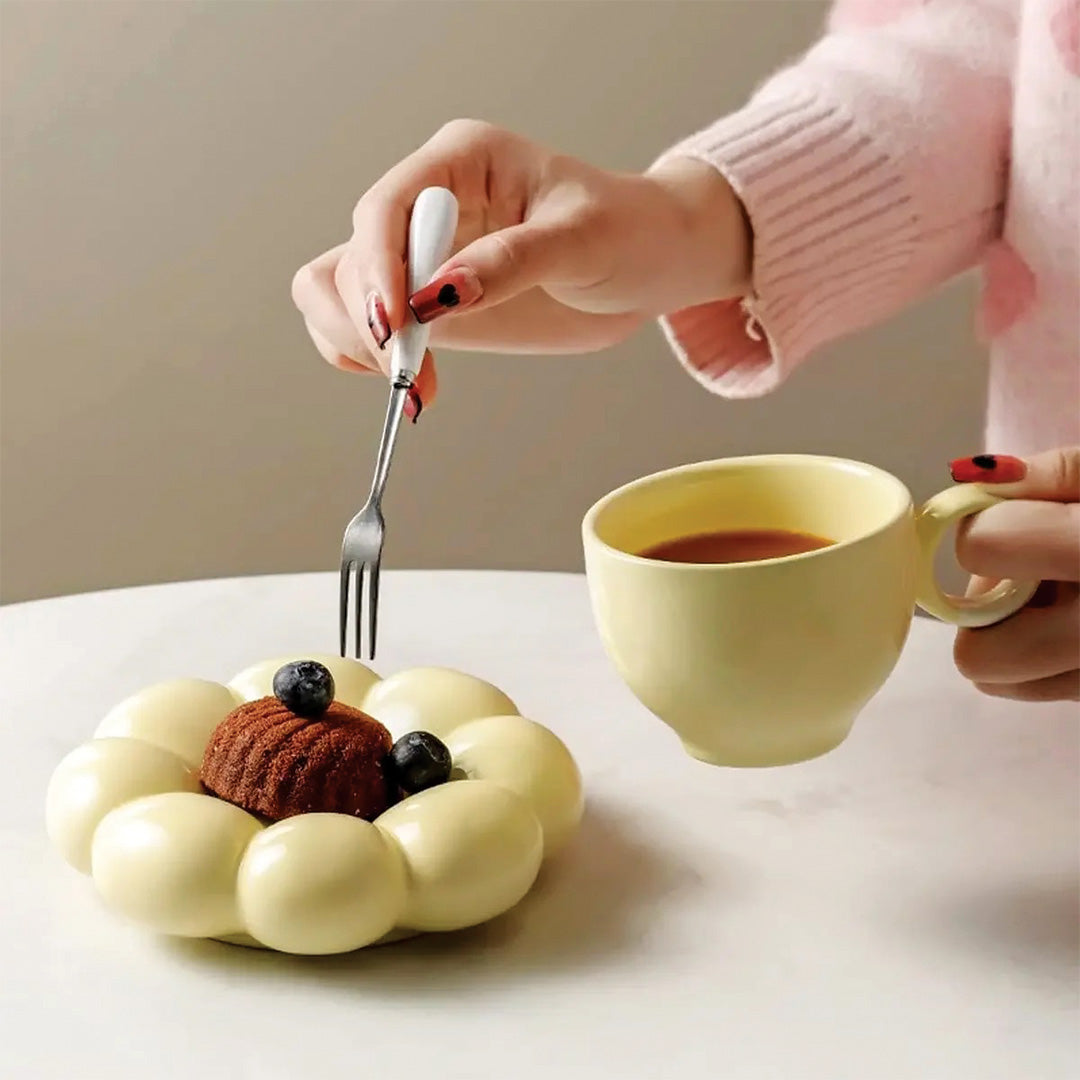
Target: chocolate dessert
{"points": [[300, 752]]}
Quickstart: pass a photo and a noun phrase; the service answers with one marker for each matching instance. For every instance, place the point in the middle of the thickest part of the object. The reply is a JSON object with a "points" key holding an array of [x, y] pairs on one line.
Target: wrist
{"points": [[713, 242]]}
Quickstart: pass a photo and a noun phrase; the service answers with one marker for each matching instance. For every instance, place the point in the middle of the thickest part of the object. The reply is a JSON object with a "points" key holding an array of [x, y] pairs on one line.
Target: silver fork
{"points": [[431, 234]]}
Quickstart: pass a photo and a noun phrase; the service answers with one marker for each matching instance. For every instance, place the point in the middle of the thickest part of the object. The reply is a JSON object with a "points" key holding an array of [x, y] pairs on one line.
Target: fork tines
{"points": [[366, 604]]}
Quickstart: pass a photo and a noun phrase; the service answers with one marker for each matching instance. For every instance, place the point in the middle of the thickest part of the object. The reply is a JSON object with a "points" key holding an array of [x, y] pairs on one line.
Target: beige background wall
{"points": [[167, 166]]}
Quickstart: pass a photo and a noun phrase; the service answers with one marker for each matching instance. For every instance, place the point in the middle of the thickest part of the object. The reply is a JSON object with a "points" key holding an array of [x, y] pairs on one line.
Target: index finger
{"points": [[1052, 475], [453, 158]]}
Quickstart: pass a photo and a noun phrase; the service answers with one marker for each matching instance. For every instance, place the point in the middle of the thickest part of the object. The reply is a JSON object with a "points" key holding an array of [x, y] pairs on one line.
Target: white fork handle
{"points": [[431, 235]]}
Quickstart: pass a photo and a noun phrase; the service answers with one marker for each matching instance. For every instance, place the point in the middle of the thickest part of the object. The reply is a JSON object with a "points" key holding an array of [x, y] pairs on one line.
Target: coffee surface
{"points": [[737, 545]]}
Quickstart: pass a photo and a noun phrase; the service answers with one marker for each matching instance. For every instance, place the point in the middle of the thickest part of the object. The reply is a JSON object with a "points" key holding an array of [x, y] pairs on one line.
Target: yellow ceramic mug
{"points": [[769, 662]]}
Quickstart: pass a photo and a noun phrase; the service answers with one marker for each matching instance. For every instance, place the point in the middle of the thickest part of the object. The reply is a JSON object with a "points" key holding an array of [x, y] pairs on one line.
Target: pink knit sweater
{"points": [[917, 139]]}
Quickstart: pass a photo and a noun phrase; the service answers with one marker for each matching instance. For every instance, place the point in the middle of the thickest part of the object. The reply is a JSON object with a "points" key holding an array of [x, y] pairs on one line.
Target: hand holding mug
{"points": [[769, 661], [1034, 533]]}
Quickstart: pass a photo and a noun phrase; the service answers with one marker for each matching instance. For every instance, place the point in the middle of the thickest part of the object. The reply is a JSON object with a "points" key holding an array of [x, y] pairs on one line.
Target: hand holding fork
{"points": [[431, 235]]}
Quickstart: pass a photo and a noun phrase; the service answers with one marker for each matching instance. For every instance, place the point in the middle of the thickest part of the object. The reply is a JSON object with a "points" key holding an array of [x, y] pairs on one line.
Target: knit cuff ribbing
{"points": [[834, 232]]}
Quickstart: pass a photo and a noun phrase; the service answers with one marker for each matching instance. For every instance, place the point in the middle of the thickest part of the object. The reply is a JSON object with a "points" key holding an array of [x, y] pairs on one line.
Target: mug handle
{"points": [[932, 521]]}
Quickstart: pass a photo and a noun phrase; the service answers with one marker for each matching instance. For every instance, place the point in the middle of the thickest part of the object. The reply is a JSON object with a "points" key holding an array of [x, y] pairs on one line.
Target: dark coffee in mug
{"points": [[736, 545]]}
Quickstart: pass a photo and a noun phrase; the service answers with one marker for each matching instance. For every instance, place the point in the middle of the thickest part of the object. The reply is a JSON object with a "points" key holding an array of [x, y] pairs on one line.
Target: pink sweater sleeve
{"points": [[871, 171]]}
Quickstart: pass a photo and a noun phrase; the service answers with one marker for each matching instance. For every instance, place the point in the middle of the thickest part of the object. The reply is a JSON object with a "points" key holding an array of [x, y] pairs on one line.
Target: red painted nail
{"points": [[988, 469], [377, 321], [455, 289], [414, 405]]}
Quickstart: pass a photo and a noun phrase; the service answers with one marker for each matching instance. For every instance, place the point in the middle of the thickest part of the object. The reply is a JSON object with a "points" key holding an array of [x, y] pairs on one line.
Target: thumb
{"points": [[1052, 476], [500, 266]]}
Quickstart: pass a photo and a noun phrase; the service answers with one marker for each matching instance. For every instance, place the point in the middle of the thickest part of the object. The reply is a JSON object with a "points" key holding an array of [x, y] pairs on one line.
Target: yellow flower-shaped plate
{"points": [[127, 808]]}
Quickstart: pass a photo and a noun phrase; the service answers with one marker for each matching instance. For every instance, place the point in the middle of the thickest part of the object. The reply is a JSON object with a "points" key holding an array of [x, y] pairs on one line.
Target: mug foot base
{"points": [[763, 758]]}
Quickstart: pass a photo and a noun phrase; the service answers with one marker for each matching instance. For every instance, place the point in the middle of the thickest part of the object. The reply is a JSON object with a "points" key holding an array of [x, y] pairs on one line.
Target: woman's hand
{"points": [[551, 254], [1035, 654]]}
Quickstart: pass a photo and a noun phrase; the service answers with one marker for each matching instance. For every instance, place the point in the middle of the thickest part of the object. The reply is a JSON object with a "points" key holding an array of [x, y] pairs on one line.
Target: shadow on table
{"points": [[592, 907], [1034, 924]]}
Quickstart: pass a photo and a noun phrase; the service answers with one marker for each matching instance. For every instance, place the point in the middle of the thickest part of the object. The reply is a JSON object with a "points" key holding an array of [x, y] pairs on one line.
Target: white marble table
{"points": [[905, 908]]}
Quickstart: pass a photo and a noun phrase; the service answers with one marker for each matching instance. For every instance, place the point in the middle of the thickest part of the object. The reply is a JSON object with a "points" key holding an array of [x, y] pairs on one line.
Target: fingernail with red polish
{"points": [[414, 406], [377, 321], [1045, 595], [455, 289], [988, 469]]}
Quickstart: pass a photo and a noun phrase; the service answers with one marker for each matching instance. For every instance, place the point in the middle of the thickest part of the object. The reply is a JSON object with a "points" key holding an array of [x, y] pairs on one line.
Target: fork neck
{"points": [[395, 410]]}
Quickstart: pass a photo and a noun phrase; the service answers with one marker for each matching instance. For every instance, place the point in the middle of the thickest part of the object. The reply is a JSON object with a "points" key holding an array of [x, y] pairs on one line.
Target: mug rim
{"points": [[588, 524]]}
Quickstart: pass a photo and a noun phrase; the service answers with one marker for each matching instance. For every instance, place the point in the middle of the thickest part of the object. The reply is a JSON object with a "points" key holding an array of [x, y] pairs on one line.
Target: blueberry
{"points": [[418, 761], [305, 687]]}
